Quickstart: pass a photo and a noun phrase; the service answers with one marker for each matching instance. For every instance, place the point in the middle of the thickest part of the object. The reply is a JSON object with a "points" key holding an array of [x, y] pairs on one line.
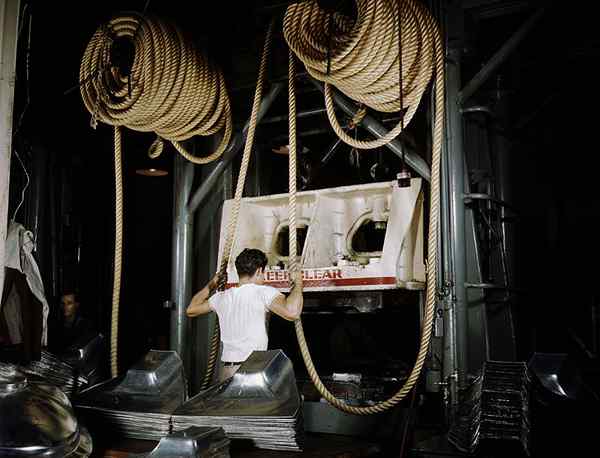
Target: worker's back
{"points": [[242, 318]]}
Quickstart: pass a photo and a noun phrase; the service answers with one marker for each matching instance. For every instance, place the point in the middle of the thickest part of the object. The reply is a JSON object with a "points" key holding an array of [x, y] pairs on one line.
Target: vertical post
{"points": [[446, 278], [206, 241], [456, 175], [9, 22], [181, 257]]}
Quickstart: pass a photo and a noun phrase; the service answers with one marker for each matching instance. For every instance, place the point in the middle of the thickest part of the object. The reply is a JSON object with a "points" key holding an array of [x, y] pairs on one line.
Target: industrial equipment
{"points": [[495, 409], [354, 238], [37, 420], [52, 370], [259, 403], [193, 442], [139, 403]]}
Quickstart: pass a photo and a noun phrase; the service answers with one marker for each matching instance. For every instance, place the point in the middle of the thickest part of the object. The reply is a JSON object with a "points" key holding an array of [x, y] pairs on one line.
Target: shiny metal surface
{"points": [[259, 403], [559, 375], [36, 419], [80, 356], [495, 408], [193, 442], [138, 404], [181, 274], [50, 369]]}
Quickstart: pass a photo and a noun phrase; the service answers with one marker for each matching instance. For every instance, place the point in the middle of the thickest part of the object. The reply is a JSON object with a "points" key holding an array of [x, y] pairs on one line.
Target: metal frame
{"points": [[456, 190], [460, 284], [462, 289], [498, 58], [401, 149], [186, 205]]}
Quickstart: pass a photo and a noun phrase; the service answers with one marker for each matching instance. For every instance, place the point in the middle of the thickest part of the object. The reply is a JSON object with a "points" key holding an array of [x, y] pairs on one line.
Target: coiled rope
{"points": [[363, 63], [360, 57], [172, 89]]}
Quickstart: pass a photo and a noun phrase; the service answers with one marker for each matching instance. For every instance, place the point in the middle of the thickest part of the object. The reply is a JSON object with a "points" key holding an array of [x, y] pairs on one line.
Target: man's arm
{"points": [[290, 308], [199, 304]]}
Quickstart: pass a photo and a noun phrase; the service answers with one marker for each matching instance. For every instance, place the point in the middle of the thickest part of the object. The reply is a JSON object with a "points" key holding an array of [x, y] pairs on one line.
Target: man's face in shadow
{"points": [[70, 305]]}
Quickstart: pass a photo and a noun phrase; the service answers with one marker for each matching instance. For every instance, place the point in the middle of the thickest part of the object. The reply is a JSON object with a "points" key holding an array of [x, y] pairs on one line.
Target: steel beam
{"points": [[181, 274], [234, 147], [376, 128], [456, 175], [300, 114], [445, 279], [499, 58]]}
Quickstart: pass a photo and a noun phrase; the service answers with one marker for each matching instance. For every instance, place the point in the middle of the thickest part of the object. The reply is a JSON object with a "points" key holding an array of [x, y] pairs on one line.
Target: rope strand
{"points": [[239, 192]]}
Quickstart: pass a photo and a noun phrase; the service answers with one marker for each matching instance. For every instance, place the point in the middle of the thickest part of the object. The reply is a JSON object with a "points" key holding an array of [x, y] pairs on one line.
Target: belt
{"points": [[231, 363]]}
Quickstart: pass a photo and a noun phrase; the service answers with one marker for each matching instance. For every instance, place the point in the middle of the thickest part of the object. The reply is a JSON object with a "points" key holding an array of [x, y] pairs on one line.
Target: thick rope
{"points": [[303, 28], [293, 240], [114, 330], [363, 56], [171, 89], [239, 192], [241, 181], [213, 353]]}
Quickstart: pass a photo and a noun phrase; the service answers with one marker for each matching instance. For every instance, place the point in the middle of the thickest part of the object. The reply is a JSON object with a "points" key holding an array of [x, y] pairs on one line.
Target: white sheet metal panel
{"points": [[332, 217]]}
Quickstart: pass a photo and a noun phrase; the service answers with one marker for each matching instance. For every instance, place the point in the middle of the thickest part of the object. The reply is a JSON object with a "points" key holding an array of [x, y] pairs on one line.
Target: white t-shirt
{"points": [[242, 315]]}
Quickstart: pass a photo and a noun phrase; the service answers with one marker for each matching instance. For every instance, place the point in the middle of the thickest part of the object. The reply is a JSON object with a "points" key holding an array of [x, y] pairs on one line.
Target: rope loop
{"points": [[366, 63]]}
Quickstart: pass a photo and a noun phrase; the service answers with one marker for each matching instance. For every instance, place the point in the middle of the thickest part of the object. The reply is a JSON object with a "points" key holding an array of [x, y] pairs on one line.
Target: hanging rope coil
{"points": [[365, 66], [171, 89], [360, 57]]}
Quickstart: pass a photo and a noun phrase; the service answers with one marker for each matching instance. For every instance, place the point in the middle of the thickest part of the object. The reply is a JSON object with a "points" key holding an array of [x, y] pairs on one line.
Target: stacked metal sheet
{"points": [[259, 403], [495, 408], [191, 443], [51, 370], [140, 403]]}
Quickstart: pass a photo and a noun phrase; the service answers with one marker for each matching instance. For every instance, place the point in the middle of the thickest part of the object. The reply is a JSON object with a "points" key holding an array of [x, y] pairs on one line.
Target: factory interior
{"points": [[406, 168]]}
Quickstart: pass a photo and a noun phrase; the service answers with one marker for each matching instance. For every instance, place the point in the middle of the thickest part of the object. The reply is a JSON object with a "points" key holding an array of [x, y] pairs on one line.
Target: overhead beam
{"points": [[232, 150], [375, 127], [498, 58]]}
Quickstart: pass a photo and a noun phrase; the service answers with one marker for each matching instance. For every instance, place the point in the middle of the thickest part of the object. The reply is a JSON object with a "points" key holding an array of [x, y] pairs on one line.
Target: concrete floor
{"points": [[317, 446]]}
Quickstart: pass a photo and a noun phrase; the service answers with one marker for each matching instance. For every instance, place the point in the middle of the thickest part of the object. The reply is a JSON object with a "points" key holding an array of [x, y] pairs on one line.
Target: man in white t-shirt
{"points": [[243, 310]]}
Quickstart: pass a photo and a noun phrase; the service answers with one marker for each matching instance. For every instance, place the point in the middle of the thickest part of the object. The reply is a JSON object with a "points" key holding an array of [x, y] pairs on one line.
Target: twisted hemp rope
{"points": [[172, 89], [239, 192]]}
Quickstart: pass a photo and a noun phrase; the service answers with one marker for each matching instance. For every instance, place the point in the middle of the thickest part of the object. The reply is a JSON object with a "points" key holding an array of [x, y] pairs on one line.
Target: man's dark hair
{"points": [[249, 261], [70, 292]]}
